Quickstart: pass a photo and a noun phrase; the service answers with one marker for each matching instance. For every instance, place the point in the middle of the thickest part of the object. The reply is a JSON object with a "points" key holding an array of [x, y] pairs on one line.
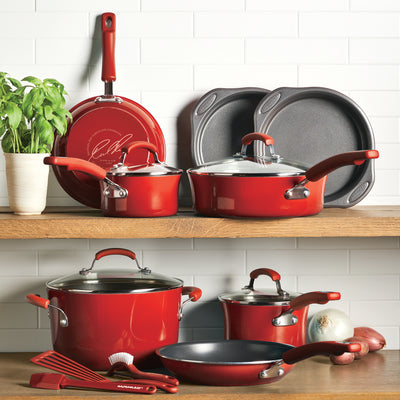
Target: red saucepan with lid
{"points": [[270, 315], [241, 362], [147, 190], [259, 186], [98, 312], [102, 125]]}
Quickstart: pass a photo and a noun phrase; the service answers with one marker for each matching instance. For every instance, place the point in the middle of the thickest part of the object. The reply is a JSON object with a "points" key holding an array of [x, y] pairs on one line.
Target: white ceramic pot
{"points": [[27, 180]]}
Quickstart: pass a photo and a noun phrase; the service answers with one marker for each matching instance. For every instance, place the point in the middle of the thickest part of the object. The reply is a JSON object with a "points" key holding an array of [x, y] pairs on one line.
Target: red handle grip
{"points": [[37, 300], [325, 167], [152, 148], [77, 164], [116, 251], [313, 297], [265, 271], [108, 44], [319, 348], [193, 292], [250, 137]]}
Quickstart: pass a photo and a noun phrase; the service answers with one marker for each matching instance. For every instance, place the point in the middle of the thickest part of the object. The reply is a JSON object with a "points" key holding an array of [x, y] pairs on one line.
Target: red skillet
{"points": [[245, 186], [241, 362], [101, 126]]}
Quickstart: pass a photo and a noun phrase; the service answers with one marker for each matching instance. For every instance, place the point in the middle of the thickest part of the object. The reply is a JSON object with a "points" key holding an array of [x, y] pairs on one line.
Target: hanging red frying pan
{"points": [[101, 126]]}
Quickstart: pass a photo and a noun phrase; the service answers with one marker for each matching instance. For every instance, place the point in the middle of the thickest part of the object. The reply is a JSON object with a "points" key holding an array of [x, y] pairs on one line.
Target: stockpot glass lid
{"points": [[249, 296], [118, 280], [242, 165]]}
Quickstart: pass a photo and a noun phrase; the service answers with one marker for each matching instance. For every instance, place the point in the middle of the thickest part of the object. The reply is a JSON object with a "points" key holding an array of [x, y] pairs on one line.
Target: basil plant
{"points": [[32, 112]]}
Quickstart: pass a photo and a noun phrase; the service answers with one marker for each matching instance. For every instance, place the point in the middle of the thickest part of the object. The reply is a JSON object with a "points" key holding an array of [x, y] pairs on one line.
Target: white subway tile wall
{"points": [[169, 53]]}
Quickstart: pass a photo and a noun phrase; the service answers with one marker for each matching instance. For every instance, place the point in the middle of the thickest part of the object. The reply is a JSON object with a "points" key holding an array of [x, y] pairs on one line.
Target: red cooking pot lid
{"points": [[242, 165], [249, 296], [116, 280]]}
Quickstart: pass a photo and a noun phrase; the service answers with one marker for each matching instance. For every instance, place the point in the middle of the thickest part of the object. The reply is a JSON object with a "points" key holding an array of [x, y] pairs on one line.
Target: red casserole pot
{"points": [[273, 316], [260, 186], [241, 362], [96, 313], [148, 190]]}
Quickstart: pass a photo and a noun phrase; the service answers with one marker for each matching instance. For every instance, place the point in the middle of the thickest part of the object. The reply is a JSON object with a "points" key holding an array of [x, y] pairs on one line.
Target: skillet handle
{"points": [[108, 44], [313, 298], [300, 353], [325, 167], [77, 164]]}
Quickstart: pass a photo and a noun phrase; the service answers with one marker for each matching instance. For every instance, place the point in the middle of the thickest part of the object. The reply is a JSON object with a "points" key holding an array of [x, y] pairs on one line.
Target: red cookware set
{"points": [[108, 319]]}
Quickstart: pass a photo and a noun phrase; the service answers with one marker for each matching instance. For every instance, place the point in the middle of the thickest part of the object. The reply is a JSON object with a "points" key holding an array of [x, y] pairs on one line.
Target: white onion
{"points": [[329, 324]]}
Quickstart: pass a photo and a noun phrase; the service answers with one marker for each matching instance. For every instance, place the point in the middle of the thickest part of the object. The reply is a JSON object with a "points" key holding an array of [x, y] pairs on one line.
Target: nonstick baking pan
{"points": [[220, 119], [313, 123]]}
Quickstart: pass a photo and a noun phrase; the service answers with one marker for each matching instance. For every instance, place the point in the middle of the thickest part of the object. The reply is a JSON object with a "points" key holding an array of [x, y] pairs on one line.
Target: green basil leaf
{"points": [[31, 79], [14, 115], [44, 130], [7, 143], [60, 123]]}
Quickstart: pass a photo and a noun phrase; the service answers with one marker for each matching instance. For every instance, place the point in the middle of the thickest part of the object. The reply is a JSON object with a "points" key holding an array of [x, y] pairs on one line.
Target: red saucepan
{"points": [[148, 190], [244, 186], [101, 125], [96, 313], [241, 362], [273, 316]]}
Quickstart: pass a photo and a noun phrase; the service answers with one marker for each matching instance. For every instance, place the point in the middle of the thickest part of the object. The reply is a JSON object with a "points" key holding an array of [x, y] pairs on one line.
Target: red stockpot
{"points": [[273, 316], [98, 313], [241, 362], [148, 190], [243, 186]]}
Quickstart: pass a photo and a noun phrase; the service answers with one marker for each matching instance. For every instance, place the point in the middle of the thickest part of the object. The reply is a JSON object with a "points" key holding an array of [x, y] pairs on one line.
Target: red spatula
{"points": [[58, 362], [46, 380]]}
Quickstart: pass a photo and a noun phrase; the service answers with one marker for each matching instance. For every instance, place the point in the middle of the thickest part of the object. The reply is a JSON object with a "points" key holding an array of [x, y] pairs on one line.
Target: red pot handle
{"points": [[193, 292], [300, 353], [115, 251], [77, 164], [265, 271], [313, 297], [325, 167], [37, 300], [251, 137], [108, 45], [152, 148]]}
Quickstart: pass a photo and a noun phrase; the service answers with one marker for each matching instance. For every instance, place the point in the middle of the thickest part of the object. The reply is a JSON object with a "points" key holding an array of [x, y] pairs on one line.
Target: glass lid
{"points": [[156, 168], [249, 296], [118, 280], [242, 165]]}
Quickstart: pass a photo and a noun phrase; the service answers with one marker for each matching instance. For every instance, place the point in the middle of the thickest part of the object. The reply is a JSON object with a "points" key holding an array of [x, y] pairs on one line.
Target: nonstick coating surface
{"points": [[227, 352]]}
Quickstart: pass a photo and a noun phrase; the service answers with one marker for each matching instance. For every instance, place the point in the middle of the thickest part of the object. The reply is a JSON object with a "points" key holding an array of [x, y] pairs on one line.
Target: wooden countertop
{"points": [[374, 377], [68, 223]]}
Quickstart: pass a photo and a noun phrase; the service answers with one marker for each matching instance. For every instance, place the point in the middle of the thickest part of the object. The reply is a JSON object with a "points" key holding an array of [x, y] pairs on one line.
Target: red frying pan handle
{"points": [[325, 167], [77, 164], [313, 297], [37, 300], [319, 348], [108, 43], [251, 137], [117, 251]]}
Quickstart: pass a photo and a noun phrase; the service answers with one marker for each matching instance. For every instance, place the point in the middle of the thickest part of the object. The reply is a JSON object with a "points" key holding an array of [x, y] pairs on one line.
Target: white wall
{"points": [[169, 53]]}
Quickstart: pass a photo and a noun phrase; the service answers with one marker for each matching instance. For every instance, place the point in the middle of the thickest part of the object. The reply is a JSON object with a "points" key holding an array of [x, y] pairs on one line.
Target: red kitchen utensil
{"points": [[124, 360], [58, 362], [101, 126], [46, 380]]}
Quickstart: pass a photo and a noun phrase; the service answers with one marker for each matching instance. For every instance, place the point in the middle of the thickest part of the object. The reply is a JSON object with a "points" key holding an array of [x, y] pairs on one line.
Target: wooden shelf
{"points": [[68, 223], [374, 377]]}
